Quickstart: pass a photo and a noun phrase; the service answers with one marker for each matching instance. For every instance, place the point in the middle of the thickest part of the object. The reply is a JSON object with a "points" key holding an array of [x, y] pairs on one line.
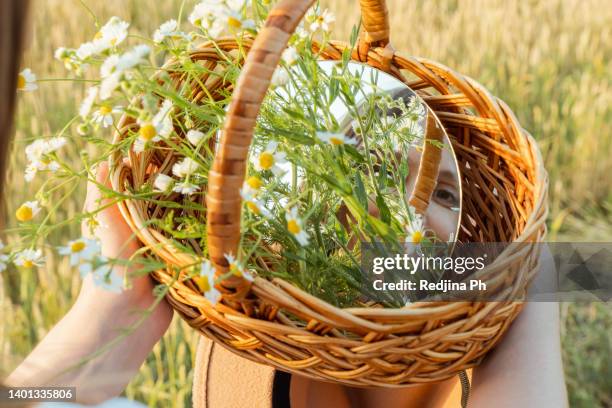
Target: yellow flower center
{"points": [[204, 283], [235, 270], [21, 81], [417, 237], [24, 213], [233, 22], [105, 110], [254, 182], [28, 263], [77, 246], [266, 160], [253, 207], [336, 141], [147, 132], [293, 227]]}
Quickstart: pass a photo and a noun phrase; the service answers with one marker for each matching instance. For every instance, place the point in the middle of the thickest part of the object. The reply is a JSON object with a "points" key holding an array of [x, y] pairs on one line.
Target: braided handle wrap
{"points": [[223, 199], [375, 19], [427, 175], [225, 179]]}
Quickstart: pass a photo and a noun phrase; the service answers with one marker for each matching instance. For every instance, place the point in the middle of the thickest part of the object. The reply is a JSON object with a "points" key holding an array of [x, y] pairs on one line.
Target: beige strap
{"points": [[224, 379]]}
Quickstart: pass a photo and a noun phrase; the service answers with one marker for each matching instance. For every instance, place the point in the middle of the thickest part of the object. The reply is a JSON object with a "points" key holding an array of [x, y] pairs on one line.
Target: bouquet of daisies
{"points": [[327, 166]]}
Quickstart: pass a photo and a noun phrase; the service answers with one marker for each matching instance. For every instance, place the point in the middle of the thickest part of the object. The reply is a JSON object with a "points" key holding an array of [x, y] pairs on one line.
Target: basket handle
{"points": [[229, 167], [375, 20]]}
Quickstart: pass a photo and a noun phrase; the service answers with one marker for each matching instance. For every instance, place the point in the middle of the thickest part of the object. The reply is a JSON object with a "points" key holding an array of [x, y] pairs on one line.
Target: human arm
{"points": [[97, 319], [526, 370]]}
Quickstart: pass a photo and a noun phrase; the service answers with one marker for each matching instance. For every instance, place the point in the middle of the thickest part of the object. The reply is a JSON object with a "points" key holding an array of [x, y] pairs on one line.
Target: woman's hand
{"points": [[103, 340]]}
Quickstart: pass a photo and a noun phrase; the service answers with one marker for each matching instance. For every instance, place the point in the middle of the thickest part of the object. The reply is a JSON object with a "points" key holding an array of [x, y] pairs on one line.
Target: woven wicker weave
{"points": [[504, 199]]}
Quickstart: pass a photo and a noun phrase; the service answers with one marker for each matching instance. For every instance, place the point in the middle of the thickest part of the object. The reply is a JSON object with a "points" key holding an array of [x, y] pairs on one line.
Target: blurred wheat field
{"points": [[550, 60]]}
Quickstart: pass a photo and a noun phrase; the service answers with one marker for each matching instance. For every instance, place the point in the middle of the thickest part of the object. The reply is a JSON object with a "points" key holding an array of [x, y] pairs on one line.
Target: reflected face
{"points": [[442, 215]]}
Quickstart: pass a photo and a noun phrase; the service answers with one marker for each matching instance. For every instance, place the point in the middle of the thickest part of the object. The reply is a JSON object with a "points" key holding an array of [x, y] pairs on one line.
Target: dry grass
{"points": [[550, 60]]}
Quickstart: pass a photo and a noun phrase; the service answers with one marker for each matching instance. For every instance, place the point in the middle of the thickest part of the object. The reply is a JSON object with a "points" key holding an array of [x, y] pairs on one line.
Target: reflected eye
{"points": [[446, 196]]}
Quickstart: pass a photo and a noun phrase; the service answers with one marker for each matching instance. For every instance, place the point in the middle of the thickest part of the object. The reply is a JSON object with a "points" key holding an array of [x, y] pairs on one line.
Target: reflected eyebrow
{"points": [[448, 176]]}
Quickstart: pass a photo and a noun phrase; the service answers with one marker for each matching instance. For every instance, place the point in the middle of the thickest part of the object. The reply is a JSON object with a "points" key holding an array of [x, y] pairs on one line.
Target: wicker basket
{"points": [[273, 322]]}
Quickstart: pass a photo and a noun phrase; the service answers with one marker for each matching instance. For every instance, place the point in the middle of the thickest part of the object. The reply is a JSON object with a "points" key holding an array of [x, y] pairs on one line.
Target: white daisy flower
{"points": [[29, 258], [254, 205], [114, 67], [185, 167], [216, 16], [414, 230], [290, 56], [301, 33], [235, 21], [90, 48], [27, 211], [37, 154], [103, 274], [169, 29], [112, 33], [204, 16], [106, 278], [40, 147], [295, 226], [133, 57], [109, 84], [206, 282], [104, 115], [163, 183], [81, 250], [320, 22], [109, 66], [251, 186], [71, 59], [88, 102], [26, 81], [195, 136], [336, 139], [237, 268], [257, 207], [271, 159], [280, 77], [185, 187], [203, 10], [160, 126], [61, 53]]}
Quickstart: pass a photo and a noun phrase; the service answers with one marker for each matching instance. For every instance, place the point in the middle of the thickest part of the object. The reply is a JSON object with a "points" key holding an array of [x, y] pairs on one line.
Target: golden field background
{"points": [[550, 60]]}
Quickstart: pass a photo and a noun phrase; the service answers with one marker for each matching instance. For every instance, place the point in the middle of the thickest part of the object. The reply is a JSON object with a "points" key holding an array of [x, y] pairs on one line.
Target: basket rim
{"points": [[540, 181]]}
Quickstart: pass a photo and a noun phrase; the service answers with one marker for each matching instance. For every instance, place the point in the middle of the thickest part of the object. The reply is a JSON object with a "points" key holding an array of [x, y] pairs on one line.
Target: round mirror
{"points": [[335, 162]]}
